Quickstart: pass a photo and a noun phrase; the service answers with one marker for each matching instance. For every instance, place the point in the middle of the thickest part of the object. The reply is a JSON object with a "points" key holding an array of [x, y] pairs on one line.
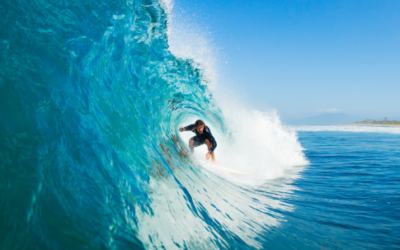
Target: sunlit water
{"points": [[349, 195]]}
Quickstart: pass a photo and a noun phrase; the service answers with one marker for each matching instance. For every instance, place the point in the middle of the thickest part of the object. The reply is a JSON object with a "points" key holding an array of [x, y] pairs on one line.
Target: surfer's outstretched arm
{"points": [[187, 128]]}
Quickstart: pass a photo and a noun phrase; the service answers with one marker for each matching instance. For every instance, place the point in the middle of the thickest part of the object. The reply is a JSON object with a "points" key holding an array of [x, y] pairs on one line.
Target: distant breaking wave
{"points": [[90, 101]]}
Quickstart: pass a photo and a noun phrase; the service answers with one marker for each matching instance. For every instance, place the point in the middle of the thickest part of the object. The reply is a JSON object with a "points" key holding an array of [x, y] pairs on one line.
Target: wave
{"points": [[91, 100]]}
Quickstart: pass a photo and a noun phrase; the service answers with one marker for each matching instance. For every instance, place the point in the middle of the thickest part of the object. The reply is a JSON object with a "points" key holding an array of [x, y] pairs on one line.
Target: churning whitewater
{"points": [[91, 99]]}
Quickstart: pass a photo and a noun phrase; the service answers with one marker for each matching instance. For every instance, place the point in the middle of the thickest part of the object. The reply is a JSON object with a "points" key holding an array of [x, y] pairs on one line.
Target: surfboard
{"points": [[233, 171]]}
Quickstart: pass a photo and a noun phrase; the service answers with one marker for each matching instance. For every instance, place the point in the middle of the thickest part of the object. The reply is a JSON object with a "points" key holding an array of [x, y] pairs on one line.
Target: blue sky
{"points": [[305, 58]]}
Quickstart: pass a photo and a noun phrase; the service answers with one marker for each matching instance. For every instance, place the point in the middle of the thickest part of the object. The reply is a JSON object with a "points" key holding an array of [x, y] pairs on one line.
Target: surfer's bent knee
{"points": [[191, 145]]}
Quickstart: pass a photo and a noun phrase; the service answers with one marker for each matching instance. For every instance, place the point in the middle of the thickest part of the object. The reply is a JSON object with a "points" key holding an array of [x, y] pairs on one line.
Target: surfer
{"points": [[203, 135]]}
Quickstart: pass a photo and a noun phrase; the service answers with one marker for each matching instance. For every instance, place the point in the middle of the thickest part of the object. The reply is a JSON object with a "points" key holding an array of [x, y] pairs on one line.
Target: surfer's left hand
{"points": [[208, 156]]}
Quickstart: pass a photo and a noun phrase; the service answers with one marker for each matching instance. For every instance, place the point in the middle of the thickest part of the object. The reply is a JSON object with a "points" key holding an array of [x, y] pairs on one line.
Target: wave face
{"points": [[90, 101]]}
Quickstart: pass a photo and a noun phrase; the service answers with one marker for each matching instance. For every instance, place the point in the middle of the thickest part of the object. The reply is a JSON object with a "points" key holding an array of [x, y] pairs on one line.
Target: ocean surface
{"points": [[348, 197], [92, 94]]}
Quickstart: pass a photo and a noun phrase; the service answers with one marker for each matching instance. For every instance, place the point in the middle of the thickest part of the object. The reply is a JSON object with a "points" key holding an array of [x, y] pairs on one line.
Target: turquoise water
{"points": [[91, 98], [349, 195]]}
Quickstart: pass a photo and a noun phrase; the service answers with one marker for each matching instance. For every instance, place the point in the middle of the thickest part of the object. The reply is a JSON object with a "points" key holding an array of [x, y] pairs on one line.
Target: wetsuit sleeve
{"points": [[189, 128], [212, 140]]}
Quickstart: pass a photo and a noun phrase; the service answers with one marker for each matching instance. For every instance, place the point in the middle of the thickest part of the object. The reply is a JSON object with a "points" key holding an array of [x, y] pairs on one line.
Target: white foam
{"points": [[168, 6], [257, 140], [343, 128], [188, 40], [254, 142]]}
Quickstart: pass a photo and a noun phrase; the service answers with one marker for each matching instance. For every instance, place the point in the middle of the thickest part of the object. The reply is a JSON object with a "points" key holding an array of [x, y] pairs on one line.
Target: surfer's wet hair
{"points": [[197, 124]]}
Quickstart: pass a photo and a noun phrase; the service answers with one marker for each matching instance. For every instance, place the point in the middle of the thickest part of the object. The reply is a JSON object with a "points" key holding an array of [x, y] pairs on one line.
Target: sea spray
{"points": [[249, 140]]}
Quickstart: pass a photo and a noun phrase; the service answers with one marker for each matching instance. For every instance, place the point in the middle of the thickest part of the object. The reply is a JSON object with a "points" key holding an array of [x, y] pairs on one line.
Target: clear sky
{"points": [[305, 58]]}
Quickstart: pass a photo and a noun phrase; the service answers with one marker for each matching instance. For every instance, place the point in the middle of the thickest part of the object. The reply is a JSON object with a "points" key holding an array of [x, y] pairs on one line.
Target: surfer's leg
{"points": [[191, 145], [209, 148], [195, 142]]}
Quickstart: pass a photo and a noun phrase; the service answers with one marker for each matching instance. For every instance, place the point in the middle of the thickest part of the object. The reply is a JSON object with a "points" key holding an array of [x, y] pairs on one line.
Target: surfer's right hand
{"points": [[182, 129]]}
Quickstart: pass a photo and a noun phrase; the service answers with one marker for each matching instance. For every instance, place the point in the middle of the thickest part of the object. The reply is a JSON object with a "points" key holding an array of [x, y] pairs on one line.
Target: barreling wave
{"points": [[90, 102]]}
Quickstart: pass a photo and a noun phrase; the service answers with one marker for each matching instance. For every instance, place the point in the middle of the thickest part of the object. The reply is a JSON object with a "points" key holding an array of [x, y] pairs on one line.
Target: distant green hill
{"points": [[383, 122]]}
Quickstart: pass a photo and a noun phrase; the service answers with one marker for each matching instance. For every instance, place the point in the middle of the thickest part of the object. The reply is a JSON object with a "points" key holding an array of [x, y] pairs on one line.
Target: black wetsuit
{"points": [[200, 139]]}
